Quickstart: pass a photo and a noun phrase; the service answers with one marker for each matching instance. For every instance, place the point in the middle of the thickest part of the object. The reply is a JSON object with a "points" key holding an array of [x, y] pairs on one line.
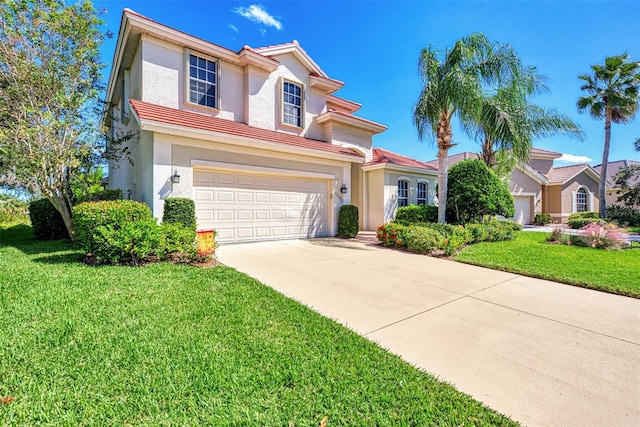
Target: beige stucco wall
{"points": [[375, 199], [582, 180], [382, 194], [552, 202], [164, 81], [542, 166], [183, 151]]}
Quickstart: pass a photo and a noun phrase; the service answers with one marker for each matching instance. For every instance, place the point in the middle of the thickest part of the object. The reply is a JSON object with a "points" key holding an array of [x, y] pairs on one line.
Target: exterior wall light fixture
{"points": [[175, 178], [343, 189]]}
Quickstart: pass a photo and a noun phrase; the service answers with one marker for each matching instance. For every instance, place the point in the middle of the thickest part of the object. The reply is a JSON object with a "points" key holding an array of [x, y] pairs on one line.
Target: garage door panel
{"points": [[242, 206]]}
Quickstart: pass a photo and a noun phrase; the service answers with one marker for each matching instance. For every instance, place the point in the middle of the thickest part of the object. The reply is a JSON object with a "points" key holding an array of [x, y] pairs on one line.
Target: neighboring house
{"points": [[612, 192], [256, 138], [540, 187]]}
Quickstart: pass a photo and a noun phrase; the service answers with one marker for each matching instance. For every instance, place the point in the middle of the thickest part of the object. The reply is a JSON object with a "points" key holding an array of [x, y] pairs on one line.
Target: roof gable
{"points": [[297, 51], [381, 156], [564, 174]]}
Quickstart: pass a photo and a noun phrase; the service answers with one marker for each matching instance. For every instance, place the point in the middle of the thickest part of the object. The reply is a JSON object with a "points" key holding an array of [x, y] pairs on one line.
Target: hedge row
{"points": [[426, 238]]}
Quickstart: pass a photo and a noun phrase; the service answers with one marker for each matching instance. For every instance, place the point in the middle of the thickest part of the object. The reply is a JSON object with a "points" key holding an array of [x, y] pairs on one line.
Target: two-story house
{"points": [[256, 138]]}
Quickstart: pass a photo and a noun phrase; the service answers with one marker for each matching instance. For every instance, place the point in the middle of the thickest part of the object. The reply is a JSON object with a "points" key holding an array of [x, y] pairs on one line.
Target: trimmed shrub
{"points": [[414, 214], [13, 209], [475, 191], [577, 223], [89, 216], [542, 219], [348, 224], [101, 196], [46, 221], [624, 215], [141, 242], [511, 224], [423, 240], [179, 210], [498, 231], [392, 234], [576, 215]]}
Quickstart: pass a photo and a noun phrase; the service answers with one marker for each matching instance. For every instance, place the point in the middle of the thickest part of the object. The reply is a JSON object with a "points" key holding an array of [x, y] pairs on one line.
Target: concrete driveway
{"points": [[540, 352]]}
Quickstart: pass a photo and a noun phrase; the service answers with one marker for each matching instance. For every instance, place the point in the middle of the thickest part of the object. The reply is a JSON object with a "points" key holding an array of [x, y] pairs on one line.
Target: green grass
{"points": [[611, 271], [634, 230], [179, 345]]}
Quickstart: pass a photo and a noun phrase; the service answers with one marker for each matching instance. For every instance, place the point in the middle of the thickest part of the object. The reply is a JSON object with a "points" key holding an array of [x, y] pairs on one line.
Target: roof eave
{"points": [[349, 120], [207, 135], [401, 168]]}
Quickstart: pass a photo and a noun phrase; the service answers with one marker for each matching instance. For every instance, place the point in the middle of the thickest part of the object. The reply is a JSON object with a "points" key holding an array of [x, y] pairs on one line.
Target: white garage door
{"points": [[522, 206], [244, 206]]}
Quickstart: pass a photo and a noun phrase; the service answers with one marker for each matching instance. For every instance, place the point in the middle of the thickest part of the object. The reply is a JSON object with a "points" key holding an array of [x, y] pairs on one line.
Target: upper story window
{"points": [[203, 81], [581, 200], [403, 193], [291, 104], [423, 187]]}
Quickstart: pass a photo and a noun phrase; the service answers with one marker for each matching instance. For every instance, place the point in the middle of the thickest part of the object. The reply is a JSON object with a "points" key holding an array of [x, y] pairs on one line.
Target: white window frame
{"points": [[406, 196], [587, 197], [425, 200], [188, 78], [283, 84]]}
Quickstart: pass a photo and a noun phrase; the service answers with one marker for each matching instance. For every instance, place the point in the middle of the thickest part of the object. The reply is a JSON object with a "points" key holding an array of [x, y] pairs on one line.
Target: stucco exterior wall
{"points": [[552, 201], [582, 180], [375, 199], [541, 165], [391, 191], [164, 81], [183, 151]]}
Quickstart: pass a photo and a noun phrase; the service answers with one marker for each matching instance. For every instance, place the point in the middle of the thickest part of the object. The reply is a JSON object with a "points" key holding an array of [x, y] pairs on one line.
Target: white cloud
{"points": [[234, 28], [570, 158], [259, 15], [263, 31]]}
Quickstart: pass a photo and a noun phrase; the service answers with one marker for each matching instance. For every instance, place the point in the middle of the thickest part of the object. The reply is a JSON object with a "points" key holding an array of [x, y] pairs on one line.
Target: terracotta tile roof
{"points": [[565, 173], [615, 167], [383, 156], [188, 119], [455, 158]]}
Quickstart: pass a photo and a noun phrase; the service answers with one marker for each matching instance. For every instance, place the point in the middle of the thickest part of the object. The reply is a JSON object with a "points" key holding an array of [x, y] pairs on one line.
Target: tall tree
{"points": [[613, 95], [454, 85], [49, 95], [510, 122]]}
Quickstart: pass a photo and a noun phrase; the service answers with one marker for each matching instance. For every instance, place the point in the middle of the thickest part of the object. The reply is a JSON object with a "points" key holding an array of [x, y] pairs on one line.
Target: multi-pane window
{"points": [[203, 81], [403, 193], [292, 104], [422, 193], [581, 200]]}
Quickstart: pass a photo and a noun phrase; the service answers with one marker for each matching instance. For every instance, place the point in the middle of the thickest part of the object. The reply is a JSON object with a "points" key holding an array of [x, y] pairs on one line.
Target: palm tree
{"points": [[509, 122], [453, 86], [612, 94]]}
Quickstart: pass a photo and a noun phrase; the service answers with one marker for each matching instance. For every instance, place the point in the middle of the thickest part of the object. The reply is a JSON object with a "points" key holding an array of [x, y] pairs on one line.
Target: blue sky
{"points": [[373, 47]]}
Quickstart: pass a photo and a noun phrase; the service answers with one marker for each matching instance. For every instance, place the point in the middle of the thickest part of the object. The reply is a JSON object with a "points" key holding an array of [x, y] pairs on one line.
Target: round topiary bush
{"points": [[179, 210], [475, 191]]}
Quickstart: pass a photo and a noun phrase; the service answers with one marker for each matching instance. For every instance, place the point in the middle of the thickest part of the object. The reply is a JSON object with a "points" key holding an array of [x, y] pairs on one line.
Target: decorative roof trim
{"points": [[325, 84], [341, 103], [297, 51], [350, 120]]}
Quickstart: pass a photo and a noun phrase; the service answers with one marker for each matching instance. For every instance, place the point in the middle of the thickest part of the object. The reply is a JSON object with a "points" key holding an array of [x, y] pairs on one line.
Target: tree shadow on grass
{"points": [[20, 236]]}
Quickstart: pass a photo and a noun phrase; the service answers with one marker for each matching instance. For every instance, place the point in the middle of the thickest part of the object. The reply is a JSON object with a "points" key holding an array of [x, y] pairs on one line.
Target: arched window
{"points": [[423, 188], [403, 193], [581, 200]]}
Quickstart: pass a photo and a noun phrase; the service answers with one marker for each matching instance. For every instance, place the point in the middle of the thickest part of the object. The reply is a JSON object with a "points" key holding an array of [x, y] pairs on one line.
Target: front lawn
{"points": [[178, 345], [611, 271]]}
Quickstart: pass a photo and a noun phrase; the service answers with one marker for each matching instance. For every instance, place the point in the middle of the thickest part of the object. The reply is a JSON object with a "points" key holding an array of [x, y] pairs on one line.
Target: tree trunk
{"points": [[605, 160], [488, 155], [444, 136], [64, 207]]}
